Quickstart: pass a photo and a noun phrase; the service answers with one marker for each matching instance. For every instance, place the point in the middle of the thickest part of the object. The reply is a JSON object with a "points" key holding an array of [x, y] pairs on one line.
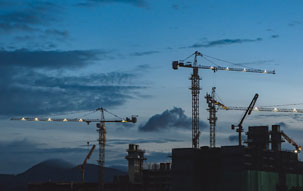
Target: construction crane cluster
{"points": [[195, 90], [101, 131], [212, 103]]}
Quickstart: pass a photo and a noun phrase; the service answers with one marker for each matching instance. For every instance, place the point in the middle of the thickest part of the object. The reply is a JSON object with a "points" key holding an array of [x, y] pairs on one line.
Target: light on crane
{"points": [[101, 130], [195, 87]]}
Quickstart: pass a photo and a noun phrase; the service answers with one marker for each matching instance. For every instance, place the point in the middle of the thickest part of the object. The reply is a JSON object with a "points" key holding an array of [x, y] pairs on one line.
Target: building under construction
{"points": [[254, 167], [259, 166]]}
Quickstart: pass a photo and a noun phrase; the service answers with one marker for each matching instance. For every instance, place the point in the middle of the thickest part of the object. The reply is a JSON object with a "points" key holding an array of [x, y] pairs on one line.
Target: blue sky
{"points": [[62, 57]]}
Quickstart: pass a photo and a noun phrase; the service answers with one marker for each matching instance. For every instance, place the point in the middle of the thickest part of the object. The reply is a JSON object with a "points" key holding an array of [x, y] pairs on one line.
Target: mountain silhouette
{"points": [[54, 170]]}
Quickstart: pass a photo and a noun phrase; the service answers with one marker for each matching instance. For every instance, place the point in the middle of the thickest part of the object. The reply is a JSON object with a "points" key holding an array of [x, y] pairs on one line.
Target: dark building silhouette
{"points": [[238, 168]]}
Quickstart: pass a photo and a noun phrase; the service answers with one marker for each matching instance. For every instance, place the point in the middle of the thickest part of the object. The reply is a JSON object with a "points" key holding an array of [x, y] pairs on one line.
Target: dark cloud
{"points": [[295, 23], [32, 83], [143, 53], [175, 6], [275, 36], [49, 59], [36, 93], [223, 42], [55, 33], [137, 3], [174, 118], [29, 16]]}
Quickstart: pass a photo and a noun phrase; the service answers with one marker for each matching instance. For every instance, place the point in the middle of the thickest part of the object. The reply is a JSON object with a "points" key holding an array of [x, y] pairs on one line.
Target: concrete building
{"points": [[238, 168]]}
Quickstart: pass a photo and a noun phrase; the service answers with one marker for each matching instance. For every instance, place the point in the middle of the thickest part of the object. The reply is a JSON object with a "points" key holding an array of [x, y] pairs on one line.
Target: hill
{"points": [[54, 170]]}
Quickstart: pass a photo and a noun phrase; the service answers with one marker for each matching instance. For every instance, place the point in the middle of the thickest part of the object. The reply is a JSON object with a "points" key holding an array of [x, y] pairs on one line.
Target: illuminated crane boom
{"points": [[195, 87], [266, 109], [100, 128]]}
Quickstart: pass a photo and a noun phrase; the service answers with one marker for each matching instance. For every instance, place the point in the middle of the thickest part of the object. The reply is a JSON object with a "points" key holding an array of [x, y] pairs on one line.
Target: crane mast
{"points": [[210, 100], [195, 90], [101, 140], [100, 129]]}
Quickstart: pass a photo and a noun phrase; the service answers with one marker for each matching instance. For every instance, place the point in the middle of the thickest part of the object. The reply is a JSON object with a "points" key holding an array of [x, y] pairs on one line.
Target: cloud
{"points": [[283, 125], [90, 3], [295, 23], [49, 59], [174, 118], [223, 42], [32, 83], [28, 16], [36, 93], [275, 36], [297, 117], [143, 53]]}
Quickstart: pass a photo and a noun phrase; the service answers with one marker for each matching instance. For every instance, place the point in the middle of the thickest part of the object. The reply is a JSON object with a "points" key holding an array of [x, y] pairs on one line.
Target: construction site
{"points": [[256, 163]]}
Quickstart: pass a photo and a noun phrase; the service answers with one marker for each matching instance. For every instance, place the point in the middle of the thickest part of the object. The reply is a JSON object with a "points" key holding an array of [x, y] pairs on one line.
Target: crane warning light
{"points": [[295, 110], [36, 119], [275, 109], [23, 119], [244, 70], [256, 109], [80, 120], [49, 119], [265, 72], [65, 119], [295, 151]]}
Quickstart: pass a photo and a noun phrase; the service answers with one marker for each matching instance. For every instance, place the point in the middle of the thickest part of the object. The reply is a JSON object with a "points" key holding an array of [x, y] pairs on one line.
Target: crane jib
{"points": [[177, 64]]}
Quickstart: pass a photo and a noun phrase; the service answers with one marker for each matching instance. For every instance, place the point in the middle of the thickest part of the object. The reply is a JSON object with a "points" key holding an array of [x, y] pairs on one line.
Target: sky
{"points": [[67, 58]]}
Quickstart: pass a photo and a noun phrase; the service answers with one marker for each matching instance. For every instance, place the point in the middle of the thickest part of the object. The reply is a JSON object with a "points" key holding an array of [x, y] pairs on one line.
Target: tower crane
{"points": [[82, 166], [212, 102], [101, 130], [195, 86]]}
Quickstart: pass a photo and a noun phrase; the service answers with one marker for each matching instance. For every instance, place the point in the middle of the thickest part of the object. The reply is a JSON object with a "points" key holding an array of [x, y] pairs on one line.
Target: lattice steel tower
{"points": [[102, 140], [195, 87], [210, 100], [195, 91]]}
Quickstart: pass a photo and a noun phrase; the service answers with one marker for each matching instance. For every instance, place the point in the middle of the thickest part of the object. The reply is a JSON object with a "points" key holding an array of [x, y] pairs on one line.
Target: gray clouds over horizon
{"points": [[222, 42], [174, 118], [33, 82]]}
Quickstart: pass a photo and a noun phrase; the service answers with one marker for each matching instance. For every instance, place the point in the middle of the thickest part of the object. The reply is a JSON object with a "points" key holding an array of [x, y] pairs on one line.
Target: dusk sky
{"points": [[67, 58]]}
